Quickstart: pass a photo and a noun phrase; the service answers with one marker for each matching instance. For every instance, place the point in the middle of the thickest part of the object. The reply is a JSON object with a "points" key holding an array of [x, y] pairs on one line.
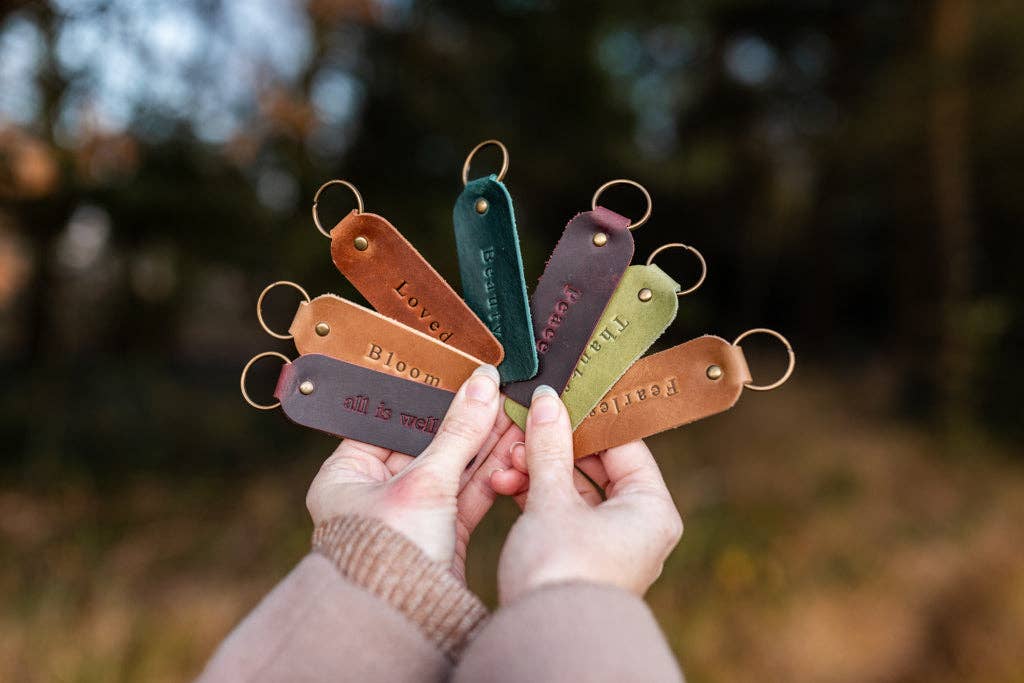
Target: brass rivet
{"points": [[600, 239], [323, 329], [361, 243], [714, 372], [645, 294], [481, 205], [306, 388]]}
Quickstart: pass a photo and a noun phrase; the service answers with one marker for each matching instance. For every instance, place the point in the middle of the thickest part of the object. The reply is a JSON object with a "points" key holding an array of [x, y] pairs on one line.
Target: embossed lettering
{"points": [[413, 302], [400, 367], [622, 402], [570, 295], [356, 404]]}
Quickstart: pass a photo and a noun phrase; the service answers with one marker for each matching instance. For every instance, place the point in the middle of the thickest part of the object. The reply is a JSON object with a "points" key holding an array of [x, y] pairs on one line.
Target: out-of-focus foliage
{"points": [[851, 171]]}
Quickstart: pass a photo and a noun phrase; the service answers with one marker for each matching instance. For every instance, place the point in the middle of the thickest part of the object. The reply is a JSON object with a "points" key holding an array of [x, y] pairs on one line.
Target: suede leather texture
{"points": [[398, 282], [663, 391], [491, 268], [571, 295], [353, 402], [363, 337], [626, 330]]}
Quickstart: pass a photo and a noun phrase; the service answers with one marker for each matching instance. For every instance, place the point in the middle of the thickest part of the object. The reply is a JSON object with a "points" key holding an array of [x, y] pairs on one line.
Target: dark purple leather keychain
{"points": [[354, 402], [572, 293]]}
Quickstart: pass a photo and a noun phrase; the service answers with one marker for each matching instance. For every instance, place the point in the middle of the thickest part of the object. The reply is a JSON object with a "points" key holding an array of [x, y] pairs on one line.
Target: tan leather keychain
{"points": [[399, 283], [337, 327], [677, 386]]}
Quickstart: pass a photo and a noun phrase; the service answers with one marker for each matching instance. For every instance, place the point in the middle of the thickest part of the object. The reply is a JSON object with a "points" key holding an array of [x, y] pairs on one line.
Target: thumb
{"points": [[466, 426], [548, 450]]}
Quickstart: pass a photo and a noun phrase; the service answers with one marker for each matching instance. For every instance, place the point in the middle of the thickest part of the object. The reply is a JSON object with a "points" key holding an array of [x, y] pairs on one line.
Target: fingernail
{"points": [[544, 405], [483, 384]]}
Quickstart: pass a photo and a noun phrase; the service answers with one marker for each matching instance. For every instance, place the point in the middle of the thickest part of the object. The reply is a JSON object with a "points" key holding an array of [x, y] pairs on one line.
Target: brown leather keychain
{"points": [[572, 293], [399, 283], [337, 327], [677, 386], [350, 401]]}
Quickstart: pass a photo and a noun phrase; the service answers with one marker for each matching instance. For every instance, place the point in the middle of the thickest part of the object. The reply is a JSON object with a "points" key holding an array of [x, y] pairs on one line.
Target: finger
{"points": [[501, 425], [508, 482], [631, 468], [396, 462], [477, 496], [594, 468], [359, 457], [519, 456], [466, 425], [548, 449]]}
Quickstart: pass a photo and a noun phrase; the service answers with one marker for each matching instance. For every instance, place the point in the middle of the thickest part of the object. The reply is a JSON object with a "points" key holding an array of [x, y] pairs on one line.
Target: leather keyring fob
{"points": [[339, 328], [665, 390], [572, 293], [353, 402], [398, 282], [491, 268], [640, 310]]}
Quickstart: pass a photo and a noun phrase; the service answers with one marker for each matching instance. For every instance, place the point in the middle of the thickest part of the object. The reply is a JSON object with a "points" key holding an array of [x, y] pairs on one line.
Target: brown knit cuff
{"points": [[374, 556]]}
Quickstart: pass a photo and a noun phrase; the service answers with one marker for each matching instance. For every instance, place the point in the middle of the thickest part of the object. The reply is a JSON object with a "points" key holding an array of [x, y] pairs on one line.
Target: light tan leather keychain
{"points": [[399, 283], [677, 386], [336, 327]]}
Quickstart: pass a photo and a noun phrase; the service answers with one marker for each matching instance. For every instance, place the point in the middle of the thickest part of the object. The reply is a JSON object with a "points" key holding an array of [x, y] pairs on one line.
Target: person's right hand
{"points": [[564, 536]]}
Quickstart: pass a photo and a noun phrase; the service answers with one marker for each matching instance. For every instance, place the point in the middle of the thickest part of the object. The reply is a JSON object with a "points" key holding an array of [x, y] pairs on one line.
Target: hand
{"points": [[566, 532], [431, 499]]}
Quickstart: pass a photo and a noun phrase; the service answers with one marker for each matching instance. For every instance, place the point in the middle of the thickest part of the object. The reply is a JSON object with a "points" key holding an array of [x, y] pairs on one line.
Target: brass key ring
{"points": [[316, 199], [626, 181], [472, 152], [245, 371], [693, 250], [259, 306], [789, 349]]}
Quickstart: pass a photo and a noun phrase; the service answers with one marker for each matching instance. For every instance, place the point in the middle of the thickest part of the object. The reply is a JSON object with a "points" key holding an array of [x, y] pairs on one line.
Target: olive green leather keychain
{"points": [[643, 306], [491, 266]]}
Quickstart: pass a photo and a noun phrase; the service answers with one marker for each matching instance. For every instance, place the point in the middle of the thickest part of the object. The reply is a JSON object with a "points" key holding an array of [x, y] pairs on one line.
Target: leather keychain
{"points": [[572, 293], [491, 266], [677, 386], [354, 402], [640, 311], [337, 327], [399, 283]]}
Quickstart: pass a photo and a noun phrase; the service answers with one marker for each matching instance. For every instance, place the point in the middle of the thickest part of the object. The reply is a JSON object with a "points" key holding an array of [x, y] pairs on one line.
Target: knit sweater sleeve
{"points": [[366, 604]]}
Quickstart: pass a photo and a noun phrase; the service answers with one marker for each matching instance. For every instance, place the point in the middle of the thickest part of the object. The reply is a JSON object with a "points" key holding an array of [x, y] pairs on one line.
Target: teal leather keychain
{"points": [[491, 266]]}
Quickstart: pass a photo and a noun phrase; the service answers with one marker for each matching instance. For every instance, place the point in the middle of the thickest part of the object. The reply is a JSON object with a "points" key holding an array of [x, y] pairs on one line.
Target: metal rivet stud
{"points": [[322, 329], [600, 239], [361, 243], [482, 205], [645, 294], [714, 372], [306, 388]]}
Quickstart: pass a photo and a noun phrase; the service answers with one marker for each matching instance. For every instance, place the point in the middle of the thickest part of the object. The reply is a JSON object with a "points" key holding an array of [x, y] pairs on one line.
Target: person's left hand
{"points": [[431, 499]]}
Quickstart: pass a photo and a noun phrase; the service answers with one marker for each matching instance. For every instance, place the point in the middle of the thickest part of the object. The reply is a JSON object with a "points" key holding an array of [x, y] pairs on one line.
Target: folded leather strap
{"points": [[350, 401], [344, 330], [398, 282], [572, 293], [663, 391], [633, 320], [491, 268]]}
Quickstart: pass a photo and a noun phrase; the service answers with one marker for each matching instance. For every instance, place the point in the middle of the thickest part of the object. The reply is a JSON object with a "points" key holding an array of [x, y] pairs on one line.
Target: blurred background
{"points": [[851, 171]]}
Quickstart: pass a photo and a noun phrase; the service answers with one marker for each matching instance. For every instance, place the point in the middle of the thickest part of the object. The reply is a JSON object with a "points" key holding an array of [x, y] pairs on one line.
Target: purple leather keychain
{"points": [[354, 402], [572, 293]]}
